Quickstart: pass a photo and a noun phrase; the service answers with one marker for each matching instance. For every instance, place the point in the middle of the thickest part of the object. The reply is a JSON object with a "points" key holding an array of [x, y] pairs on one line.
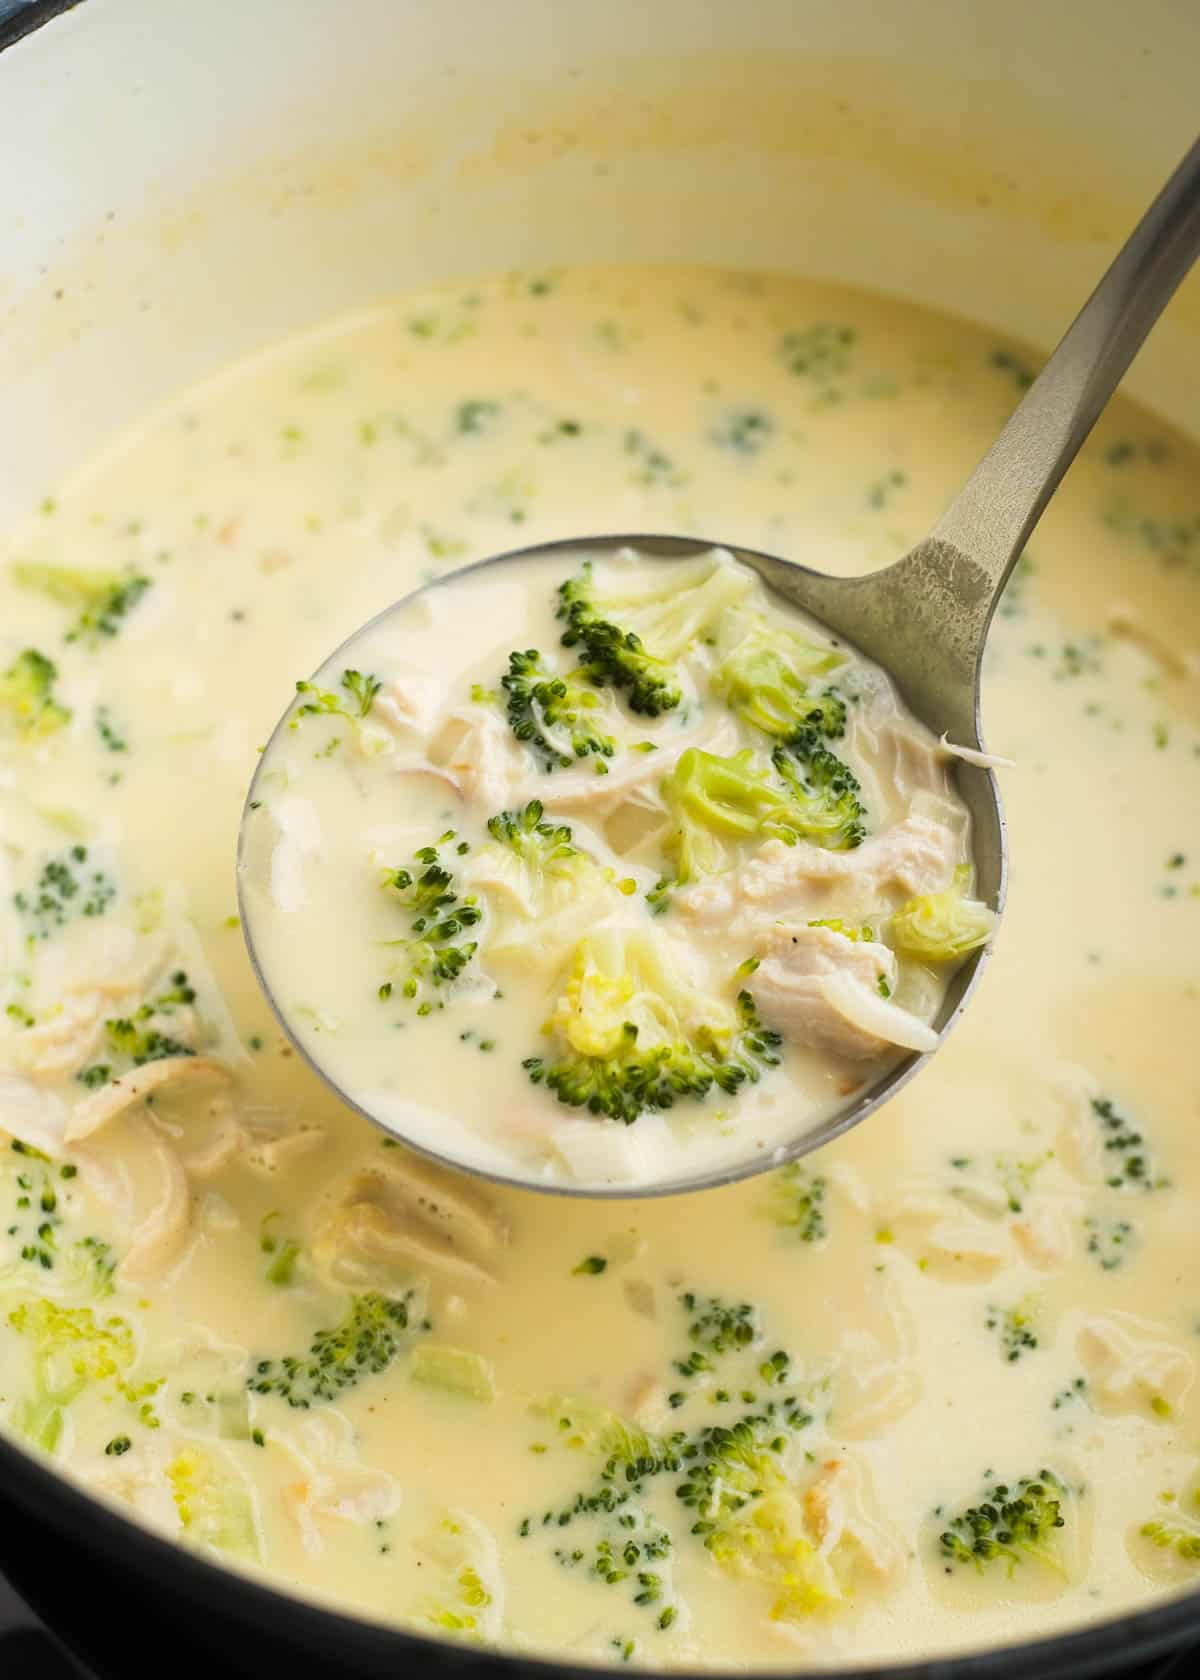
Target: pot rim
{"points": [[47, 1495]]}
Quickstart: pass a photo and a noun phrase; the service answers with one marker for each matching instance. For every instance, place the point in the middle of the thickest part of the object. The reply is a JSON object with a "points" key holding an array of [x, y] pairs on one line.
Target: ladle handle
{"points": [[992, 516]]}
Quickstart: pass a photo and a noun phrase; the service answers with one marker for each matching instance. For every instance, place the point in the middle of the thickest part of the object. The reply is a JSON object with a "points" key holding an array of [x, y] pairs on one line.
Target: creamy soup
{"points": [[929, 1389], [696, 877]]}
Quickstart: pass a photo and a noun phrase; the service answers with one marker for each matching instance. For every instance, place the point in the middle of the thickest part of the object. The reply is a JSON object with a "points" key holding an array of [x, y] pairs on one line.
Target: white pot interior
{"points": [[196, 180]]}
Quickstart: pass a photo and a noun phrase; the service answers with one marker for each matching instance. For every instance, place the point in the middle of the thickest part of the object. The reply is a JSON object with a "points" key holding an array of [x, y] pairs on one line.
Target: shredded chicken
{"points": [[840, 1510], [476, 747], [140, 1172], [410, 702], [788, 985], [807, 882], [406, 1211], [33, 1116], [1133, 1364], [333, 1482], [96, 1110]]}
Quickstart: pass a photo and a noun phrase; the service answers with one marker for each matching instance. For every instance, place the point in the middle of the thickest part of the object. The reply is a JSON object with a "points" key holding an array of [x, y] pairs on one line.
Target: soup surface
{"points": [[654, 884], [929, 1389]]}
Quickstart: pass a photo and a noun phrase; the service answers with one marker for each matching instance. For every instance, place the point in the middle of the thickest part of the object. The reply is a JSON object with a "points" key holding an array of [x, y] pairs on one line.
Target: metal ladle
{"points": [[925, 618]]}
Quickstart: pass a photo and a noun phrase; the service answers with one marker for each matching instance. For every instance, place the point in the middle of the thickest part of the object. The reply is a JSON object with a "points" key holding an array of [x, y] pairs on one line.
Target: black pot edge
{"points": [[243, 1612], [45, 1497], [31, 15]]}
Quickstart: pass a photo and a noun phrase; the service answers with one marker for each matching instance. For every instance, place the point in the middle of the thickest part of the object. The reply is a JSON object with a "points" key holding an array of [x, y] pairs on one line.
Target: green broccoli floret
{"points": [[631, 641], [65, 889], [550, 714], [355, 703], [368, 1339], [826, 805], [944, 926], [1018, 1523], [765, 677], [795, 1200], [633, 1035], [70, 1348], [434, 955], [102, 599], [132, 1042], [27, 696]]}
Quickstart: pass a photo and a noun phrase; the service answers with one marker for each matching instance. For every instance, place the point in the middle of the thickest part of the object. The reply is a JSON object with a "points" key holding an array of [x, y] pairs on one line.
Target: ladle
{"points": [[925, 618]]}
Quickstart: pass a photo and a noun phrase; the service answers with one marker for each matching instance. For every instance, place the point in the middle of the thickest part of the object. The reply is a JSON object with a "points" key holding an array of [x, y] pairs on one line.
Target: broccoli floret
{"points": [[765, 677], [717, 802], [102, 599], [27, 696], [944, 926], [634, 1035], [752, 1520], [1015, 1328], [1128, 1163], [434, 955], [65, 888], [825, 793], [354, 703], [366, 1342], [70, 1348], [795, 1200], [631, 641], [1018, 1522], [132, 1042], [550, 714], [214, 1507]]}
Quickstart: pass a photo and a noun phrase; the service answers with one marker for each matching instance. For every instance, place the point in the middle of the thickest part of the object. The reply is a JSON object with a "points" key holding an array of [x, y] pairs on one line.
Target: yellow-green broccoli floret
{"points": [[1015, 1523], [631, 641], [70, 1348], [753, 1521], [214, 1507], [554, 716], [633, 1035], [718, 802], [27, 696], [1175, 1537], [765, 676], [944, 926], [102, 599]]}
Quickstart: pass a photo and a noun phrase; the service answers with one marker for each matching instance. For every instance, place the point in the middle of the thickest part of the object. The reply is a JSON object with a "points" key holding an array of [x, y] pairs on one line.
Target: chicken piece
{"points": [[406, 1212], [410, 703], [807, 882], [267, 1156], [113, 1099], [135, 1167], [476, 747], [839, 1509], [33, 1116], [1133, 1365], [333, 1482], [953, 1239], [789, 991], [87, 983], [1044, 1236]]}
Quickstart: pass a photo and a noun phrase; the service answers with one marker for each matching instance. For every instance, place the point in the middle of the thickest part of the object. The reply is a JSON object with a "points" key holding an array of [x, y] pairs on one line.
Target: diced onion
{"points": [[972, 755], [872, 1014]]}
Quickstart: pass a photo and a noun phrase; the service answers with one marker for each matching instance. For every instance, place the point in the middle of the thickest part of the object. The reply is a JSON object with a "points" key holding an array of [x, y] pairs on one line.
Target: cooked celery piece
{"points": [[454, 1369]]}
